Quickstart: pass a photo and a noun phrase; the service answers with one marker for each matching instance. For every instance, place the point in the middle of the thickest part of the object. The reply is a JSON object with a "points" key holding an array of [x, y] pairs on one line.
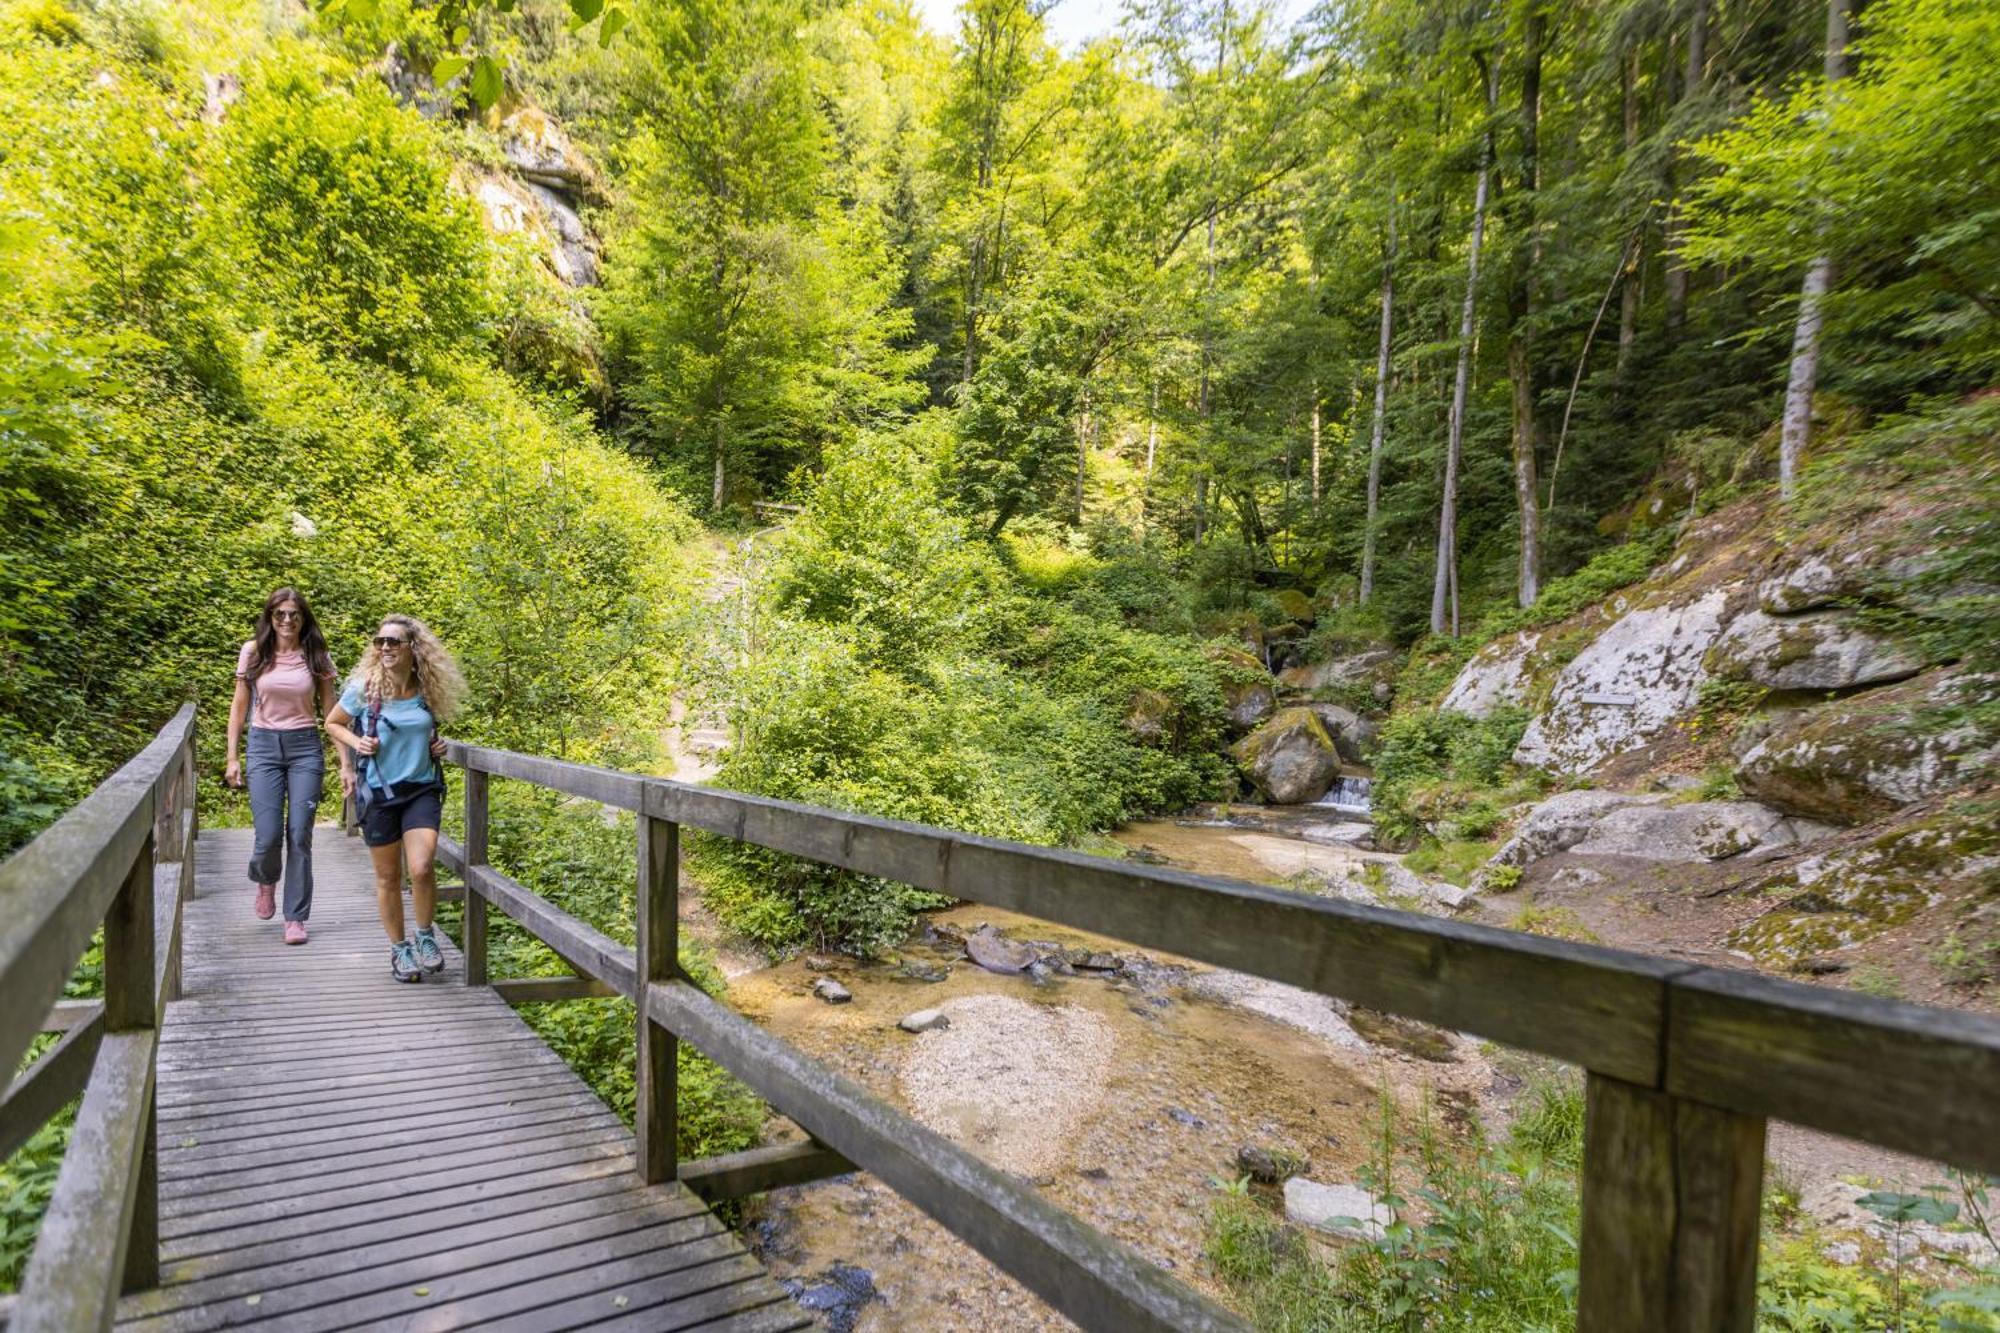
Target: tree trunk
{"points": [[1521, 302], [1379, 425], [721, 439], [1082, 454], [1632, 285], [1315, 445], [1444, 591], [1207, 331], [1819, 280], [1691, 86]]}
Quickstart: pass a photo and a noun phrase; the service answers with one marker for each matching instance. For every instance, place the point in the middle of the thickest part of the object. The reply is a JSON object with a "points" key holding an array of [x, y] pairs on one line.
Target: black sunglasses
{"points": [[390, 641], [284, 615]]}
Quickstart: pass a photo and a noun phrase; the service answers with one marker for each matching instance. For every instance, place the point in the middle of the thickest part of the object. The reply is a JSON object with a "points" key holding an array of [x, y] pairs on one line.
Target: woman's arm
{"points": [[239, 708], [336, 727], [329, 704]]}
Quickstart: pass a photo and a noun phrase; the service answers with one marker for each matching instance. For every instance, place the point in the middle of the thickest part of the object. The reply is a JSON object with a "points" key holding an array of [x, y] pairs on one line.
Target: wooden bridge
{"points": [[287, 1138]]}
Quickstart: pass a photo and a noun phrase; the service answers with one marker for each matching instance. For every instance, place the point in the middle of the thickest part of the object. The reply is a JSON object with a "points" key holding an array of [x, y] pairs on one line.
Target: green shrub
{"points": [[1431, 765]]}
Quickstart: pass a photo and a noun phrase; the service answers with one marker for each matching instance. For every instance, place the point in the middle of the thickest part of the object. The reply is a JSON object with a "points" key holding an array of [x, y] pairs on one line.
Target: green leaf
{"points": [[613, 24], [363, 9], [447, 69], [487, 81], [585, 10]]}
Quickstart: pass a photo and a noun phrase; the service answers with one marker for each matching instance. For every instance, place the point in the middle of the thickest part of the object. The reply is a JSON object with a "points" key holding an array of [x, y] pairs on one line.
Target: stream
{"points": [[1122, 1093]]}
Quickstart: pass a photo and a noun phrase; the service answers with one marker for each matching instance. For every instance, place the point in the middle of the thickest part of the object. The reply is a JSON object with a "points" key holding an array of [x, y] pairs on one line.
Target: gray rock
{"points": [[1291, 759], [1561, 822], [832, 991], [1813, 581], [1634, 681], [1496, 677], [1353, 735], [1268, 1166], [1698, 831], [1822, 650], [1347, 1211], [1362, 668], [924, 1020], [996, 953]]}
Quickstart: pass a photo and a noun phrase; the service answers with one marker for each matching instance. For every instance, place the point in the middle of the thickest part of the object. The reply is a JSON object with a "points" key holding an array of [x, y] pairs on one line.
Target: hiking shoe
{"points": [[295, 932], [267, 901], [429, 956], [403, 964]]}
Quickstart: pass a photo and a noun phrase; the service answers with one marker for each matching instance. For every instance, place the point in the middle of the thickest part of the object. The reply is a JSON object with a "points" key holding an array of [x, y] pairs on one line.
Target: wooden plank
{"points": [[382, 1289], [1601, 1008], [605, 785], [1921, 1080], [1670, 1213], [738, 1175], [65, 1015], [56, 1079], [707, 1279], [546, 990], [295, 1270], [698, 1297], [590, 951], [78, 1265], [477, 823], [361, 1107], [658, 899], [1084, 1274], [782, 1315]]}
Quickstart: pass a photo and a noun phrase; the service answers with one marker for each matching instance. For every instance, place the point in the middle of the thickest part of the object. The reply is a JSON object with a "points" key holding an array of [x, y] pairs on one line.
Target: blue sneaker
{"points": [[429, 956], [403, 965]]}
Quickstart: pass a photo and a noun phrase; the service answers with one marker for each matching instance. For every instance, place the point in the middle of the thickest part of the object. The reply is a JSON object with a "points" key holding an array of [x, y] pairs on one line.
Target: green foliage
{"points": [[1435, 768]]}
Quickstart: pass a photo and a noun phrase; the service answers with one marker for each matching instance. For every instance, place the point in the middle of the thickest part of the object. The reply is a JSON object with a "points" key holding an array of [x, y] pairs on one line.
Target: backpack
{"points": [[370, 791]]}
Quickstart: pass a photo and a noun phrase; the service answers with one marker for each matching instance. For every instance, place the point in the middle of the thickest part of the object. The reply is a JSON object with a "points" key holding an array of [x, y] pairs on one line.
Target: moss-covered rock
{"points": [[1291, 759], [1498, 676], [1247, 688], [1859, 758], [1845, 896], [1819, 650], [1297, 606]]}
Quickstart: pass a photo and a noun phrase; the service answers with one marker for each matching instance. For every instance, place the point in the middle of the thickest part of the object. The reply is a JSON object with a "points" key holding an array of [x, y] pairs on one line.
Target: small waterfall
{"points": [[1348, 795]]}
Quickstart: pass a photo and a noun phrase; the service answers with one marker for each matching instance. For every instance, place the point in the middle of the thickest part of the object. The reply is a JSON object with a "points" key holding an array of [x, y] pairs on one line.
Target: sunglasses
{"points": [[390, 641], [285, 615]]}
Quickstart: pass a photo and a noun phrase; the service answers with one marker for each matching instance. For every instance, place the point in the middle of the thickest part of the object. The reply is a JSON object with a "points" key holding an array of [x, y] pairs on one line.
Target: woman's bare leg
{"points": [[389, 887], [420, 847]]}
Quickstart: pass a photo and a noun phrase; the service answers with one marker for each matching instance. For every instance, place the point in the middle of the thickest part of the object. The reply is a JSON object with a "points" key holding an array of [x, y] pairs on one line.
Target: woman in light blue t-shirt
{"points": [[404, 687]]}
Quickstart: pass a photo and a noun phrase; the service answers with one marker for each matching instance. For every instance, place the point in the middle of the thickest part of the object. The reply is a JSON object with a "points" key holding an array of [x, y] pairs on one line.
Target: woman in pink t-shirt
{"points": [[280, 674]]}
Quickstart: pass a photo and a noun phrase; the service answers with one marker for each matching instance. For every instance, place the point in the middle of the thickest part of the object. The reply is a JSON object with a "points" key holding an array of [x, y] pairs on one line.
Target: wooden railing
{"points": [[1684, 1063], [123, 858]]}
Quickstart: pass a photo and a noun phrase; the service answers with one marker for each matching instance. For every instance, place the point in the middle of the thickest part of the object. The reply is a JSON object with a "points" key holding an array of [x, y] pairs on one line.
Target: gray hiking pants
{"points": [[287, 771]]}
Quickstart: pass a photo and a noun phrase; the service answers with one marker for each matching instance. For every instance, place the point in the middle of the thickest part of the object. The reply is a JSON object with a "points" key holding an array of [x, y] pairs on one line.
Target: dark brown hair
{"points": [[311, 642]]}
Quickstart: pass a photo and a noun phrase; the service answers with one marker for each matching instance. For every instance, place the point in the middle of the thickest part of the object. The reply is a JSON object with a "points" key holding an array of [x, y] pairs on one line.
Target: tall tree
{"points": [[1378, 425], [1521, 310], [1797, 421], [1444, 588]]}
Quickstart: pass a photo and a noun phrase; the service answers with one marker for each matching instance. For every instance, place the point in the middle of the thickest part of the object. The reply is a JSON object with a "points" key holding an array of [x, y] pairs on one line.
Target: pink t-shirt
{"points": [[283, 699]]}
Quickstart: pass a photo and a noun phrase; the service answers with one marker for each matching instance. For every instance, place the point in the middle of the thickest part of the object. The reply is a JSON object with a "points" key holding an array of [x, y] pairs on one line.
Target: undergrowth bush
{"points": [[1440, 773]]}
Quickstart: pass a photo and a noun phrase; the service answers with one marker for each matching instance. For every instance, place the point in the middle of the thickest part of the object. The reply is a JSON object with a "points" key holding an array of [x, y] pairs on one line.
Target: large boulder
{"points": [[1347, 1211], [1819, 650], [1369, 669], [1697, 831], [1636, 680], [1353, 735], [1561, 822], [1811, 581], [1496, 677], [1291, 759], [539, 150], [1865, 756]]}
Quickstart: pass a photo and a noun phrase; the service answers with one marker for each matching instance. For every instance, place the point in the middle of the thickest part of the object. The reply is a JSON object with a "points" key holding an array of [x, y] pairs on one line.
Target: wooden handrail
{"points": [[1683, 1062], [122, 858]]}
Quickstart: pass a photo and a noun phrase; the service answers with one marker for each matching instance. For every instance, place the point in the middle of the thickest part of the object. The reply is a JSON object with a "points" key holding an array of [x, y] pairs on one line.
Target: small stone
{"points": [[996, 953], [911, 970], [1095, 961], [820, 962], [832, 991], [1181, 1116], [1340, 1210], [925, 1020]]}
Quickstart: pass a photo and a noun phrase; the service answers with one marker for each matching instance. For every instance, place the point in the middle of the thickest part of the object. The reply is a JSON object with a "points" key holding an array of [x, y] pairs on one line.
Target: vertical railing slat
{"points": [[476, 813], [131, 1003], [1671, 1191], [657, 956]]}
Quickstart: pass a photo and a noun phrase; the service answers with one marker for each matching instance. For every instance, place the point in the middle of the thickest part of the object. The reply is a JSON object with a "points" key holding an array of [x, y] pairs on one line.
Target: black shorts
{"points": [[388, 818]]}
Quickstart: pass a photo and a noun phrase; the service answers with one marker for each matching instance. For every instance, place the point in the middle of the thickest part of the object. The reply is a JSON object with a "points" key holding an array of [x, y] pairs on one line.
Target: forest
{"points": [[967, 425]]}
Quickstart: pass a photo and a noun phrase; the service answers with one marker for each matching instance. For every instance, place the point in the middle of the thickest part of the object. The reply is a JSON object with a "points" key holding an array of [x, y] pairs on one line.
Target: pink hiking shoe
{"points": [[295, 932], [267, 901]]}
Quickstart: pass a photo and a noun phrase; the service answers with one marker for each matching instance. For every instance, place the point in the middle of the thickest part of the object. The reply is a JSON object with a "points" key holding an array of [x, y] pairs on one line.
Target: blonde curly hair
{"points": [[433, 671]]}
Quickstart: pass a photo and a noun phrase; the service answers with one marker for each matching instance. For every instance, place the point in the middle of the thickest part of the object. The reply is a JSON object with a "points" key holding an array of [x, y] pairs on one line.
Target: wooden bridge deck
{"points": [[337, 1150]]}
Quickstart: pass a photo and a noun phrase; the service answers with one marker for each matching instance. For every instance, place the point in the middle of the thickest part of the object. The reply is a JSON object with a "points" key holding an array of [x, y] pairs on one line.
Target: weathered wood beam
{"points": [[1075, 1268], [55, 891], [606, 785], [738, 1175], [67, 1014], [590, 951], [544, 990], [1671, 1192], [55, 1079], [79, 1264], [656, 1110], [477, 816], [1922, 1080]]}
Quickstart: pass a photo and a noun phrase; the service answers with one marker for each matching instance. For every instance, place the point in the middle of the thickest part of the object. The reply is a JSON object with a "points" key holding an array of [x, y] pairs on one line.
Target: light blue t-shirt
{"points": [[405, 732]]}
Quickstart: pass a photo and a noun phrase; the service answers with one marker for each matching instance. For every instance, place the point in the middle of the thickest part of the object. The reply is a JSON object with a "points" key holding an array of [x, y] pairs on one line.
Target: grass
{"points": [[1557, 923], [1456, 860]]}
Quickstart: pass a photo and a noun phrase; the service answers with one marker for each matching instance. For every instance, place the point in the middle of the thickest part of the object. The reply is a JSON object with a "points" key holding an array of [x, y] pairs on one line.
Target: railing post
{"points": [[1670, 1210], [130, 1003], [474, 944], [658, 960]]}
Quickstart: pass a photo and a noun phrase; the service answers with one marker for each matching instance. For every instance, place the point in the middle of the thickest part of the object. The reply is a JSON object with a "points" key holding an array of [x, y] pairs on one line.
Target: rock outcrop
{"points": [[1248, 690], [1650, 828], [1856, 759], [1347, 1211], [1817, 650], [1636, 680], [1372, 669], [1496, 677], [1291, 759]]}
